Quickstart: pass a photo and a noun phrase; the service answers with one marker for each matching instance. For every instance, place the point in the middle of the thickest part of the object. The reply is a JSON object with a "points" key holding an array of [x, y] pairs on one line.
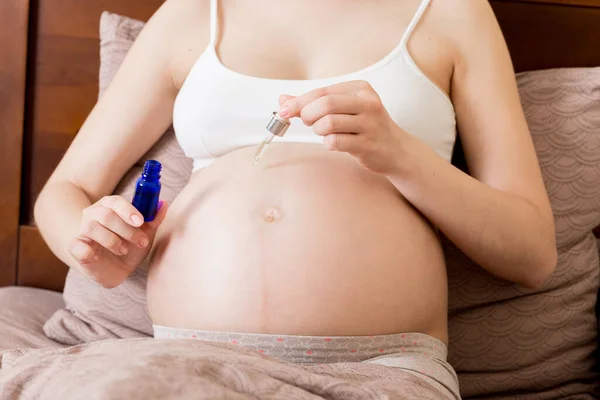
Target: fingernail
{"points": [[143, 242], [124, 249], [136, 219], [284, 112], [160, 204]]}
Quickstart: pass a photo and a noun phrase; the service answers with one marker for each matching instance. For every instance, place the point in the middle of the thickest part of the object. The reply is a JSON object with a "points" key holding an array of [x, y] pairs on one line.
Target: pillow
{"points": [[22, 315], [540, 344], [92, 312]]}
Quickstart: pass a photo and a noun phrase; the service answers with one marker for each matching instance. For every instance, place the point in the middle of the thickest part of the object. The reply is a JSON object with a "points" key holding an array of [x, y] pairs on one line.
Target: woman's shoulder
{"points": [[185, 29], [466, 11], [468, 27], [185, 16], [462, 20]]}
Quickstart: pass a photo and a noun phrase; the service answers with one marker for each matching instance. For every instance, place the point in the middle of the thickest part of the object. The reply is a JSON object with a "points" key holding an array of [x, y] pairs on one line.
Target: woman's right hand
{"points": [[113, 240]]}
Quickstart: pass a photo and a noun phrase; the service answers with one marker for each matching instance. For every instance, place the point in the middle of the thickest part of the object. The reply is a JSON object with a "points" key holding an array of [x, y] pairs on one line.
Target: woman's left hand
{"points": [[352, 119]]}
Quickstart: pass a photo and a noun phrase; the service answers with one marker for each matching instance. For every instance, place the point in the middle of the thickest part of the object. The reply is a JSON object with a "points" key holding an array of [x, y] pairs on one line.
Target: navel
{"points": [[272, 214]]}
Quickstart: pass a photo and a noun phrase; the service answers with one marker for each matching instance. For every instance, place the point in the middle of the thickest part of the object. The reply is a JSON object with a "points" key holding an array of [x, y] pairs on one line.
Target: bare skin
{"points": [[327, 239]]}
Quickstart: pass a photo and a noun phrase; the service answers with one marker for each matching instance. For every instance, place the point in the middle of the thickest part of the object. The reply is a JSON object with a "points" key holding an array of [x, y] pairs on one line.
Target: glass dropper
{"points": [[276, 126]]}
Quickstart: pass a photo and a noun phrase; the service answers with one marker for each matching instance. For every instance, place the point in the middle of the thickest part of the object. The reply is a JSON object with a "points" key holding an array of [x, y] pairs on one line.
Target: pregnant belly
{"points": [[308, 242]]}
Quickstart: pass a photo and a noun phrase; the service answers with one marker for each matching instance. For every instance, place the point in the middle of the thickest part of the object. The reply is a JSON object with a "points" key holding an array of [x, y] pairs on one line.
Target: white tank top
{"points": [[219, 110]]}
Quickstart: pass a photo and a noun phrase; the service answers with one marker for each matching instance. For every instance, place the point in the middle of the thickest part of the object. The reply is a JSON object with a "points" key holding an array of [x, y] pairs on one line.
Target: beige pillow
{"points": [[23, 313], [540, 344], [92, 312]]}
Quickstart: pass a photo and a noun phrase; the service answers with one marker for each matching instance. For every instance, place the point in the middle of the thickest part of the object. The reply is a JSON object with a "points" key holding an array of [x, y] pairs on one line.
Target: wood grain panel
{"points": [[64, 73], [13, 55], [38, 267], [583, 3], [86, 14], [66, 61], [542, 36]]}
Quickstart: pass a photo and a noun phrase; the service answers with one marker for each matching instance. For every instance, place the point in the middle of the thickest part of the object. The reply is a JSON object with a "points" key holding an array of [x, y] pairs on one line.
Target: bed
{"points": [[49, 82]]}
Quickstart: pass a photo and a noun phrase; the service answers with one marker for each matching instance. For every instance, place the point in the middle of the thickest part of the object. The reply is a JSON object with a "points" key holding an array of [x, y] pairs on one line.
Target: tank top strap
{"points": [[414, 22], [214, 22]]}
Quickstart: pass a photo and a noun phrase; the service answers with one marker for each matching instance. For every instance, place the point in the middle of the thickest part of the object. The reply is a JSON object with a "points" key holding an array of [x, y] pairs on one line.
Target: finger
{"points": [[124, 209], [337, 123], [151, 227], [283, 98], [330, 104], [113, 222], [82, 251], [95, 231], [346, 142], [292, 107]]}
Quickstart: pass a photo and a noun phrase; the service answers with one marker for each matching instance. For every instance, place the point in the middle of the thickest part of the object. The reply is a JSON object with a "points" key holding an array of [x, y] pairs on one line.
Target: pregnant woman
{"points": [[327, 249]]}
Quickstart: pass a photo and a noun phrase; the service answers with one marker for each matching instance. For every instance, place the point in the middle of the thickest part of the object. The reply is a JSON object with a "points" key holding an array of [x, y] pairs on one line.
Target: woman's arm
{"points": [[129, 118], [501, 216]]}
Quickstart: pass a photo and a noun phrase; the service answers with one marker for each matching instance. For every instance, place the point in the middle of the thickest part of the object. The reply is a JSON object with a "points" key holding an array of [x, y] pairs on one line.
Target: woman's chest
{"points": [[233, 88], [219, 110]]}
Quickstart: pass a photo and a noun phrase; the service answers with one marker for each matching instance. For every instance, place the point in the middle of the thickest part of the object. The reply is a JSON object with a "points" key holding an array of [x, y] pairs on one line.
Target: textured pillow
{"points": [[92, 312], [540, 344]]}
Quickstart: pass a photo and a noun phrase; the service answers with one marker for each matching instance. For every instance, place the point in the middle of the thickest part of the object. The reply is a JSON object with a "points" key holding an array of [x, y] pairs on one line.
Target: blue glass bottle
{"points": [[147, 190]]}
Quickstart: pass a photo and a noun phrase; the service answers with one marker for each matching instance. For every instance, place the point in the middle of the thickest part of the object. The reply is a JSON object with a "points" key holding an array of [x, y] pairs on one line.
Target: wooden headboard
{"points": [[49, 60]]}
